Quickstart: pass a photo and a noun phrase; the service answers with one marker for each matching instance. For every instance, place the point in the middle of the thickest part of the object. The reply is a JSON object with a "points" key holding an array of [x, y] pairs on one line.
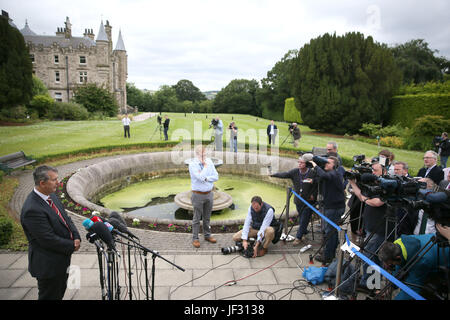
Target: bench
{"points": [[15, 160]]}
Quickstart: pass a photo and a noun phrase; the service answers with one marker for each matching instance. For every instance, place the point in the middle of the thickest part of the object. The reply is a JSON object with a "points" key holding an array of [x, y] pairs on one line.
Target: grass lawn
{"points": [[54, 137]]}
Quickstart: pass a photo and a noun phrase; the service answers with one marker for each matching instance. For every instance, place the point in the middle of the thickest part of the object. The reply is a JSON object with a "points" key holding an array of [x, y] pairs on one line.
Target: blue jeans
{"points": [[444, 161], [304, 216], [331, 233], [233, 145]]}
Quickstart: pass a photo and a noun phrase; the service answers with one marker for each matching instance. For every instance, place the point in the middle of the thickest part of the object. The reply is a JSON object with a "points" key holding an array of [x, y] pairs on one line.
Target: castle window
{"points": [[83, 76], [56, 59], [57, 77], [58, 96], [32, 58], [82, 59]]}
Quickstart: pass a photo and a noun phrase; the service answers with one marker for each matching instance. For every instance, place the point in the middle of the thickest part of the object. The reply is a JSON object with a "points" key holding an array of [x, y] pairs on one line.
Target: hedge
{"points": [[291, 113], [407, 108]]}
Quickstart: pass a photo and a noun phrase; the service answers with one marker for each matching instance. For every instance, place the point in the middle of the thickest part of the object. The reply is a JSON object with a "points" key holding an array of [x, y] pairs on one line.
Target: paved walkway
{"points": [[206, 268]]}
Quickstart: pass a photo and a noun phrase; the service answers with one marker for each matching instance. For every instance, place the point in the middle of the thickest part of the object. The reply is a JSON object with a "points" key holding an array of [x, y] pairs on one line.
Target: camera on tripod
{"points": [[159, 119], [360, 167]]}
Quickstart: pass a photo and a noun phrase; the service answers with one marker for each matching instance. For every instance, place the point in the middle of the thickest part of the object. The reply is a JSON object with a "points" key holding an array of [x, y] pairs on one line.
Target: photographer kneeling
{"points": [[258, 223], [334, 204], [400, 253]]}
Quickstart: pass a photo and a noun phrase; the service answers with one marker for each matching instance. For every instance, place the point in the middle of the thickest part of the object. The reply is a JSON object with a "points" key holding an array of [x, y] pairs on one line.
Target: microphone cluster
{"points": [[104, 230]]}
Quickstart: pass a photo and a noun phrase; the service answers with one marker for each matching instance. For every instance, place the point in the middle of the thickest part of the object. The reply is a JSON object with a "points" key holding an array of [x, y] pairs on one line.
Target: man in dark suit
{"points": [[272, 131], [51, 235], [431, 169]]}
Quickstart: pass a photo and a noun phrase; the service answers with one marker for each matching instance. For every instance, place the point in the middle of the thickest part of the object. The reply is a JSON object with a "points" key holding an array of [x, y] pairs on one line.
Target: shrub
{"points": [[393, 142], [291, 113], [15, 113], [425, 128], [69, 111], [406, 109], [42, 104], [6, 231]]}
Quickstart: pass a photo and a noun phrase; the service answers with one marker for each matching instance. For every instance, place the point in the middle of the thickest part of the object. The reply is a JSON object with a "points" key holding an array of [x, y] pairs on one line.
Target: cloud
{"points": [[213, 42]]}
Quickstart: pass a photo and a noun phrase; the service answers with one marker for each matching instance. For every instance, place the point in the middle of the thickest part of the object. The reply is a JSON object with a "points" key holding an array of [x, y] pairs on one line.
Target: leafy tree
{"points": [[418, 62], [96, 99], [15, 67], [341, 82], [239, 96], [276, 88], [165, 99], [185, 90], [135, 96], [38, 87]]}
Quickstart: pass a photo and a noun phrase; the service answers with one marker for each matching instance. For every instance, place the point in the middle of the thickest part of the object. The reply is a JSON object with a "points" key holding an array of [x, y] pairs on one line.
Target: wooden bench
{"points": [[15, 160]]}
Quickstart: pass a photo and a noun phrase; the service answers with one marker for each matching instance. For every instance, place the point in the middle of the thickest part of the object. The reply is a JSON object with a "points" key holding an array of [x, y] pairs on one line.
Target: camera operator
{"points": [[258, 223], [424, 224], [398, 254], [444, 149], [166, 127], [305, 184], [334, 204], [233, 136], [296, 134], [217, 124], [374, 220]]}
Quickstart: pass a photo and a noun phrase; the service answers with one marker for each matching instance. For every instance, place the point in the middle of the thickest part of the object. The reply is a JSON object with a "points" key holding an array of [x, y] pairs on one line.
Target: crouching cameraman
{"points": [[258, 224], [409, 250]]}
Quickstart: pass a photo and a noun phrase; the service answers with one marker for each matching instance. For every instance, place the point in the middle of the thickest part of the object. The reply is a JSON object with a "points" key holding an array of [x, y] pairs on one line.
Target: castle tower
{"points": [[103, 57], [120, 73]]}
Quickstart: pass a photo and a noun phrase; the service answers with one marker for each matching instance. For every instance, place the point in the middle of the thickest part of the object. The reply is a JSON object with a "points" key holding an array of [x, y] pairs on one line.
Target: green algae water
{"points": [[154, 198]]}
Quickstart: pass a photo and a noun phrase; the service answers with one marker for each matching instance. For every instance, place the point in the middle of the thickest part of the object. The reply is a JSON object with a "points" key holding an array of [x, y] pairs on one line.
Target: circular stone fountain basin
{"points": [[88, 185]]}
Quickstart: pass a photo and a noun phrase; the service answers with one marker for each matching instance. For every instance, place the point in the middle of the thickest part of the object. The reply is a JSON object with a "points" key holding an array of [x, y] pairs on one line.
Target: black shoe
{"points": [[322, 259]]}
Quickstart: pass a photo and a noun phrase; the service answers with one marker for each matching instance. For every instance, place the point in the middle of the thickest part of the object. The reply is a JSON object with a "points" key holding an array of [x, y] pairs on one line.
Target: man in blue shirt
{"points": [[258, 223], [203, 175]]}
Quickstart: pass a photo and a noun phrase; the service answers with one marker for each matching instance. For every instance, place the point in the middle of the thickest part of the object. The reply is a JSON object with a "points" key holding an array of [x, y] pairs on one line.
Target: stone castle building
{"points": [[64, 62]]}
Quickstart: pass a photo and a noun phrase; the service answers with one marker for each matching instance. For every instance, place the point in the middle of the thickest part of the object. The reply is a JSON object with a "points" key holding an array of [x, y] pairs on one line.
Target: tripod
{"points": [[160, 132], [289, 135]]}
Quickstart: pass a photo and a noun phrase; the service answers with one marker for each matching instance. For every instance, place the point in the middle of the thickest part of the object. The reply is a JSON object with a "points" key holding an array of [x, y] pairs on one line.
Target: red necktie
{"points": [[52, 204]]}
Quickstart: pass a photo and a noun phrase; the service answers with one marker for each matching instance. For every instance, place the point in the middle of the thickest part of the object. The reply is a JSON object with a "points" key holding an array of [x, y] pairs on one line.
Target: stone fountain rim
{"points": [[86, 203]]}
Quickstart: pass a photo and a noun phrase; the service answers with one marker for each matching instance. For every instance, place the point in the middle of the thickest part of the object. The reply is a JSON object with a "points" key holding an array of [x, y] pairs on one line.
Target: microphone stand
{"points": [[154, 255], [129, 271]]}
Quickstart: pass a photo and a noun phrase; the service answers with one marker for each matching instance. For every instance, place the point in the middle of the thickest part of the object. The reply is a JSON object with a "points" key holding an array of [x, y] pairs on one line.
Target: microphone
{"points": [[87, 224], [96, 219], [113, 230], [119, 223], [103, 233]]}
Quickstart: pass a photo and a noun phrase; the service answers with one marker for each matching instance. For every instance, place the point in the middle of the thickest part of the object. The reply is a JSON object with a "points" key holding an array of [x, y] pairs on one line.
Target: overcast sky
{"points": [[211, 42]]}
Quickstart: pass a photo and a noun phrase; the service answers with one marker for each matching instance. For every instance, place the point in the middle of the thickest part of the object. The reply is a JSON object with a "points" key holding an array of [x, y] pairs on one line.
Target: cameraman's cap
{"points": [[307, 157]]}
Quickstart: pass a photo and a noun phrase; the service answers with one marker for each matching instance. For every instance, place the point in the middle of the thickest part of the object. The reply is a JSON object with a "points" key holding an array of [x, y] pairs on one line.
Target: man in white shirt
{"points": [[126, 126]]}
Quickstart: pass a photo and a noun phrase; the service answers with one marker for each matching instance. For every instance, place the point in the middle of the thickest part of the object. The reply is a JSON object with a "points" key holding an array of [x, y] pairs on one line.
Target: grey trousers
{"points": [[202, 204], [218, 142]]}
